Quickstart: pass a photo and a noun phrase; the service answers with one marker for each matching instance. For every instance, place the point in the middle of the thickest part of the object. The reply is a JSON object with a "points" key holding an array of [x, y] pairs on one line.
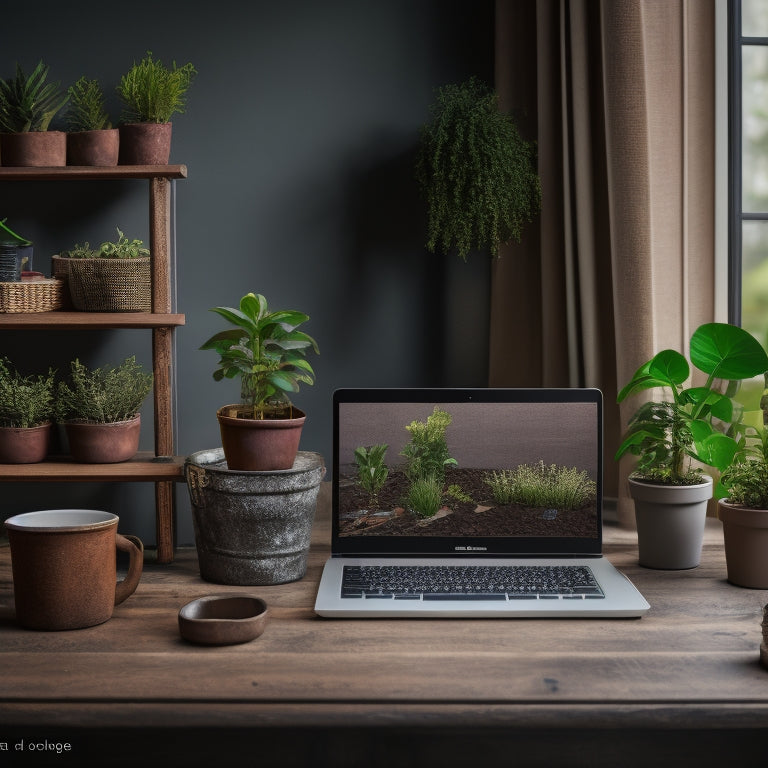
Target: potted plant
{"points": [[698, 424], [100, 410], [151, 94], [744, 512], [267, 351], [91, 139], [26, 414], [27, 107], [477, 173], [115, 277]]}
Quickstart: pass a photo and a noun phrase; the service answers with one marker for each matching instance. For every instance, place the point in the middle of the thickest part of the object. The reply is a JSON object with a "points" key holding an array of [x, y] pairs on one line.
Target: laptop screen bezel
{"points": [[361, 545]]}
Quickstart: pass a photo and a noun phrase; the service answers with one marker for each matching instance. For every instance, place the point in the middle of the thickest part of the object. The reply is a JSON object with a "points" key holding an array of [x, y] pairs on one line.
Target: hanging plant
{"points": [[476, 171]]}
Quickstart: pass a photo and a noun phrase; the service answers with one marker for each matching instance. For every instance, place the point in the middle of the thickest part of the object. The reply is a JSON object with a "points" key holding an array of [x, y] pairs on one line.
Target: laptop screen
{"points": [[467, 472]]}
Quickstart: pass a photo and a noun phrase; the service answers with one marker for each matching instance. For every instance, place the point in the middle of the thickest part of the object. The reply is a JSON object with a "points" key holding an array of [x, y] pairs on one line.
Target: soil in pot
{"points": [[91, 443]]}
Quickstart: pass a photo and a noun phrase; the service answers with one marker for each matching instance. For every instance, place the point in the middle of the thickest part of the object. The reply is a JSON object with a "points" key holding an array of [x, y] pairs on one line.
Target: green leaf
{"points": [[727, 352]]}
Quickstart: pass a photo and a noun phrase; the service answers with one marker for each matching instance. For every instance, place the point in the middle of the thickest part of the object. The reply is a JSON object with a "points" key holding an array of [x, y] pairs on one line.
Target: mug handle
{"points": [[135, 549]]}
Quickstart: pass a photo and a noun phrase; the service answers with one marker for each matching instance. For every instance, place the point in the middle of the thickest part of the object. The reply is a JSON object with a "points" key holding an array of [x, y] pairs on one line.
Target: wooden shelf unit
{"points": [[162, 468]]}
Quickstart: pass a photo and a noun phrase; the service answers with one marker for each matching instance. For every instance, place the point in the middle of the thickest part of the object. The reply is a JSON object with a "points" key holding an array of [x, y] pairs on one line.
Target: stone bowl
{"points": [[223, 619]]}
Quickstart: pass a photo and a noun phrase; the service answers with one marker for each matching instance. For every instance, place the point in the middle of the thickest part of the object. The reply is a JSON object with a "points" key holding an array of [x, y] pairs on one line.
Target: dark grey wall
{"points": [[299, 139]]}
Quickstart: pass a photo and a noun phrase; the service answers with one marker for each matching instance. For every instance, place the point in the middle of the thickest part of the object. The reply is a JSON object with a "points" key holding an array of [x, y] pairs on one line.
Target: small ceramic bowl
{"points": [[223, 619]]}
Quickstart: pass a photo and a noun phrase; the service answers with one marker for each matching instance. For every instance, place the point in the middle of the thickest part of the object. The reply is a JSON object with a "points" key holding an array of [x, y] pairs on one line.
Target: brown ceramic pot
{"points": [[24, 445], [91, 443], [745, 534], [259, 445], [93, 148], [145, 143], [64, 565], [34, 148]]}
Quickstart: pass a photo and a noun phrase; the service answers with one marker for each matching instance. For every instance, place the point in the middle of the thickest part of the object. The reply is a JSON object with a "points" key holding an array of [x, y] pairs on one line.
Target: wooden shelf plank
{"points": [[78, 172], [72, 320], [144, 467]]}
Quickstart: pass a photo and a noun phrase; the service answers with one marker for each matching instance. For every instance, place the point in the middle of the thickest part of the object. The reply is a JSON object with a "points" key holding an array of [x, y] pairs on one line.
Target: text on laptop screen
{"points": [[468, 469]]}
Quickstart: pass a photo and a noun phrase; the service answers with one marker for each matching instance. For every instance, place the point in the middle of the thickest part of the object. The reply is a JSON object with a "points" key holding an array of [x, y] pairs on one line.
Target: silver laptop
{"points": [[469, 503]]}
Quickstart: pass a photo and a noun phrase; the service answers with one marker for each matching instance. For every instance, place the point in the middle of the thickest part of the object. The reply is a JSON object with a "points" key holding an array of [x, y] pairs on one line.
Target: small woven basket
{"points": [[38, 294], [111, 285]]}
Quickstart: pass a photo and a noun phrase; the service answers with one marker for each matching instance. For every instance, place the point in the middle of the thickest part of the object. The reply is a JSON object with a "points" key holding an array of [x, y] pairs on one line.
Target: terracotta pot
{"points": [[41, 149], [670, 523], [259, 445], [145, 143], [93, 148], [745, 534], [64, 567], [91, 443], [24, 445]]}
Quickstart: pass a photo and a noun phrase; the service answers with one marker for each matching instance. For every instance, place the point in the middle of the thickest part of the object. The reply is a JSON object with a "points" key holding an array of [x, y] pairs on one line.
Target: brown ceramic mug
{"points": [[64, 564]]}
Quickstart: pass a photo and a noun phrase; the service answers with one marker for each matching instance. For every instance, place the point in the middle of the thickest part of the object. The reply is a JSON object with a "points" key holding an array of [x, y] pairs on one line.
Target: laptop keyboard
{"points": [[475, 582]]}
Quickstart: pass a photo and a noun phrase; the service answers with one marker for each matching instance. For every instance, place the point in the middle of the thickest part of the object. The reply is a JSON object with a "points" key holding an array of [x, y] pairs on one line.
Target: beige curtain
{"points": [[619, 95]]}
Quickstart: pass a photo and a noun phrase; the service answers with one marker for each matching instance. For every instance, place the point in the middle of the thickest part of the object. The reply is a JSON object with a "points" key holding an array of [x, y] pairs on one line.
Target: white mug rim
{"points": [[45, 520]]}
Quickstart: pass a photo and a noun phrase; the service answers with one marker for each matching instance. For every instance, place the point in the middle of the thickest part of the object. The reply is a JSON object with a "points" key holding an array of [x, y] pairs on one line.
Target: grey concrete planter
{"points": [[670, 523], [252, 528]]}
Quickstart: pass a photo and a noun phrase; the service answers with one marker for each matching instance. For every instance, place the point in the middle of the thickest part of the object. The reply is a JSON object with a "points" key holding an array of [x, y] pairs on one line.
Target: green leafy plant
{"points": [[103, 395], [542, 485], [79, 251], [152, 92], [372, 472], [122, 248], [425, 495], [478, 175], [266, 350], [87, 110], [25, 401], [29, 103], [700, 422], [455, 492], [427, 455]]}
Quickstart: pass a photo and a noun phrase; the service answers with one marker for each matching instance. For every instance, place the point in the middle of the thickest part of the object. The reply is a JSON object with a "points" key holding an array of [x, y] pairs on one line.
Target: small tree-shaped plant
{"points": [[87, 110], [427, 454]]}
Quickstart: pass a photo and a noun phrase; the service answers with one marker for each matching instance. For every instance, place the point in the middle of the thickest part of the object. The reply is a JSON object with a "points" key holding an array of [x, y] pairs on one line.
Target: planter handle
{"points": [[197, 479]]}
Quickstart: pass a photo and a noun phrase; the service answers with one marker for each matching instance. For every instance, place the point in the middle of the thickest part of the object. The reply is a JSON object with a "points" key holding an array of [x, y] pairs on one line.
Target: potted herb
{"points": [[744, 513], [27, 107], [477, 173], [151, 94], [26, 414], [91, 139], [115, 277], [100, 410], [267, 352], [670, 491]]}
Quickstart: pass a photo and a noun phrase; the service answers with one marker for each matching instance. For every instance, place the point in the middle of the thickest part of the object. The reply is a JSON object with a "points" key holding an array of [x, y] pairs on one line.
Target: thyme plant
{"points": [[476, 171], [25, 401]]}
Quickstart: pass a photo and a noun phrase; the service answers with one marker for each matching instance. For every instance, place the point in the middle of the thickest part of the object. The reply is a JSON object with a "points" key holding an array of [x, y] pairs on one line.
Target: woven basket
{"points": [[60, 270], [111, 285], [33, 295]]}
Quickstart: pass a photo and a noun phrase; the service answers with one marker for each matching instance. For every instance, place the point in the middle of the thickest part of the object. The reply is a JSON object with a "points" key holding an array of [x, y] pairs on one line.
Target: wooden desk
{"points": [[681, 686]]}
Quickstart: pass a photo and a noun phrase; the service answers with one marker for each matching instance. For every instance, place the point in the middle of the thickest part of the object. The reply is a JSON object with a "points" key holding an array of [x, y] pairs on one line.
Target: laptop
{"points": [[469, 503]]}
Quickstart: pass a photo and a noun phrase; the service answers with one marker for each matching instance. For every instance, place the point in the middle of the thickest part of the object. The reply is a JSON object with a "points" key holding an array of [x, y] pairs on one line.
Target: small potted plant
{"points": [[670, 492], [478, 175], [27, 107], [26, 414], [115, 277], [267, 351], [100, 410], [91, 139], [151, 94], [744, 512]]}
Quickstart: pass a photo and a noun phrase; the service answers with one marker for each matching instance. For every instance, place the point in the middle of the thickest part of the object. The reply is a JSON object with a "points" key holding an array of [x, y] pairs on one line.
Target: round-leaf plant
{"points": [[266, 350]]}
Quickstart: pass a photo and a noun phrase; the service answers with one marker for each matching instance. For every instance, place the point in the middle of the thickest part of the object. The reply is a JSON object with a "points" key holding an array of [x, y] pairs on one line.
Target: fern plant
{"points": [[87, 110], [152, 92], [478, 175], [29, 103]]}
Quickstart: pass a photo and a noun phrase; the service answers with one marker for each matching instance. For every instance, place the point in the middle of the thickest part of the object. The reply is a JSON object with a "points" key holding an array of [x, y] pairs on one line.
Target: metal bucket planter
{"points": [[252, 528]]}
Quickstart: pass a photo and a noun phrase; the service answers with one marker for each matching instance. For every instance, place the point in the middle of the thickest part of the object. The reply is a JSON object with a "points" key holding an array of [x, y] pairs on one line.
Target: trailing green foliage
{"points": [[152, 92], [25, 401], [87, 110], [477, 173], [427, 455], [103, 395], [29, 103], [699, 423], [371, 469], [265, 349], [425, 496], [541, 485]]}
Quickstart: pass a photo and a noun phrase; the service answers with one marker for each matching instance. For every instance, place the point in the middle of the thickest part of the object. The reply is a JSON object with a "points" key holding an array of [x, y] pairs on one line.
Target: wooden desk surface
{"points": [[688, 671]]}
